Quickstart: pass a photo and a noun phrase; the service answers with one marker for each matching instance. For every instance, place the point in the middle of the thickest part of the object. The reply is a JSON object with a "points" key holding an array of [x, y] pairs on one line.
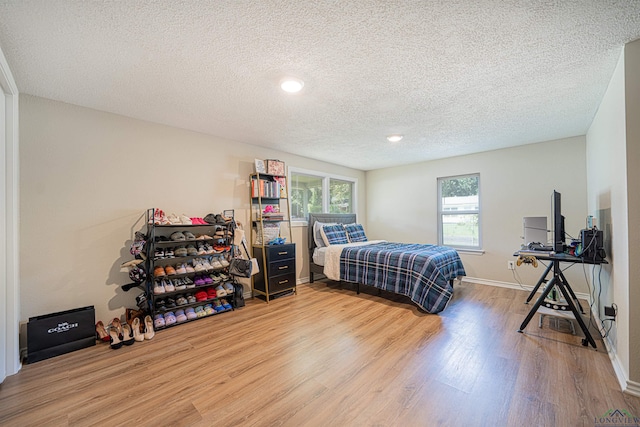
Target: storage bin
{"points": [[271, 231]]}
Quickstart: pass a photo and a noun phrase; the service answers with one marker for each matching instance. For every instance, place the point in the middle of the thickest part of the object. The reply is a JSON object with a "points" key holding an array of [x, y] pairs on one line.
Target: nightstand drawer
{"points": [[282, 267], [280, 283], [280, 252]]}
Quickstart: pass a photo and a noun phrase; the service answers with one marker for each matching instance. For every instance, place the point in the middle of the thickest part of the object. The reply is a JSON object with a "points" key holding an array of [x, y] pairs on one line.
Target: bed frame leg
{"points": [[357, 288], [310, 277]]}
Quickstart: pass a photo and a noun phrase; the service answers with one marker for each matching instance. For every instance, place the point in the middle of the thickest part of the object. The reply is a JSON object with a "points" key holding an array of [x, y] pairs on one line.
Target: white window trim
{"points": [[325, 190], [441, 212]]}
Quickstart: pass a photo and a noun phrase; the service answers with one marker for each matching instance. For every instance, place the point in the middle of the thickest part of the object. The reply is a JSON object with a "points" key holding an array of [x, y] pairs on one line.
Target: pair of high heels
{"points": [[120, 334]]}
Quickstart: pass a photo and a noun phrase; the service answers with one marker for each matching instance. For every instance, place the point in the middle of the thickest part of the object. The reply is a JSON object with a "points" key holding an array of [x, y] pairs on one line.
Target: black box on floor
{"points": [[58, 333], [592, 248]]}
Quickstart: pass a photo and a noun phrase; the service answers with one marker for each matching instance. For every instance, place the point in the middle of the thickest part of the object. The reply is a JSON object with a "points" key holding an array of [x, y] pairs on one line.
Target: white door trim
{"points": [[11, 305]]}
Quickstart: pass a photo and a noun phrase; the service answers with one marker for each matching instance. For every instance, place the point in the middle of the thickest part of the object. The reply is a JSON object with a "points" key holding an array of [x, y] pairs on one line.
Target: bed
{"points": [[424, 273]]}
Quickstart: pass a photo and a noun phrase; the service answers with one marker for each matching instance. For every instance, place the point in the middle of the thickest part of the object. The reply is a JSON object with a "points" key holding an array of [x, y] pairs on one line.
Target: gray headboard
{"points": [[324, 217]]}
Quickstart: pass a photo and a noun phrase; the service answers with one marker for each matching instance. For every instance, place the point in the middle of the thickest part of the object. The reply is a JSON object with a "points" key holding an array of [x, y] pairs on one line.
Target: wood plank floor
{"points": [[329, 357]]}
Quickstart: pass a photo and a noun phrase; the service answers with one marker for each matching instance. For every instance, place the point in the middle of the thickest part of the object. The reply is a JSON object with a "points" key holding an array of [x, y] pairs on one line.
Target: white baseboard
{"points": [[302, 280], [510, 285]]}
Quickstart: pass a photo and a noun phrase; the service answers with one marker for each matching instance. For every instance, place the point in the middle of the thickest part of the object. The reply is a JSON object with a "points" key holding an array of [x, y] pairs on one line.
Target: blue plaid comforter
{"points": [[421, 272]]}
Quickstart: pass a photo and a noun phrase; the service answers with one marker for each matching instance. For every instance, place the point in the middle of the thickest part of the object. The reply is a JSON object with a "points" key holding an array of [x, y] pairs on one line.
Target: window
{"points": [[317, 192], [459, 211]]}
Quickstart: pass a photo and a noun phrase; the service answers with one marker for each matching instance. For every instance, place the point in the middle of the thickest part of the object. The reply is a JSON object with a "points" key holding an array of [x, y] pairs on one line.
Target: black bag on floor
{"points": [[238, 295]]}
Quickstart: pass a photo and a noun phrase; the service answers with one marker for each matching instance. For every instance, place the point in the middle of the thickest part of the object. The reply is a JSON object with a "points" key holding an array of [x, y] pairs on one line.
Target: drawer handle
{"points": [[283, 282], [282, 253], [283, 267]]}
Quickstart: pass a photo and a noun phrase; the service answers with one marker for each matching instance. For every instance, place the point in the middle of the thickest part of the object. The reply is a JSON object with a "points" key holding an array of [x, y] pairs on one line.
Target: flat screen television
{"points": [[558, 223]]}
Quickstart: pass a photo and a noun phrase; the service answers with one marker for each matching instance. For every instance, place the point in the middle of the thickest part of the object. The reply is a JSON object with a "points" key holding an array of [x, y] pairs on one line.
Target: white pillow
{"points": [[317, 232]]}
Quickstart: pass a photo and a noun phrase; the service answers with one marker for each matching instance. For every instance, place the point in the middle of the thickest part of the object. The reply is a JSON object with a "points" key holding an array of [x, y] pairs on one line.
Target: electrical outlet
{"points": [[609, 311], [511, 265]]}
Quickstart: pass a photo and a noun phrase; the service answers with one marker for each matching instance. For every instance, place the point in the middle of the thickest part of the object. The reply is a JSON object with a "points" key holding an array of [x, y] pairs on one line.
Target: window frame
{"points": [[442, 212], [326, 199]]}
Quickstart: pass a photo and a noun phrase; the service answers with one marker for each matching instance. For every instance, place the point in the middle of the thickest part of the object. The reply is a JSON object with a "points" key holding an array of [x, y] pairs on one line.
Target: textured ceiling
{"points": [[455, 77]]}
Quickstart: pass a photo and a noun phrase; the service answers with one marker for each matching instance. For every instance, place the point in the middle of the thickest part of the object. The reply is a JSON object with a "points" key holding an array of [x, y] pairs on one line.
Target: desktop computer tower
{"points": [[591, 243]]}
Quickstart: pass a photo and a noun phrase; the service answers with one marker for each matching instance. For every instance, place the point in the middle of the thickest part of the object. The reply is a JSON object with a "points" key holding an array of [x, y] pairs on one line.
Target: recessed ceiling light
{"points": [[291, 85], [394, 138]]}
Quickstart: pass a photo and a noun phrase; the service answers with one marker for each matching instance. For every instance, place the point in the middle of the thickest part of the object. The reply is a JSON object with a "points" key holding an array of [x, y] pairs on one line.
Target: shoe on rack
{"points": [[159, 217], [191, 299], [189, 282], [223, 261], [215, 263], [189, 235], [220, 291], [200, 311], [158, 323], [168, 253], [225, 304], [159, 271], [191, 250], [173, 219], [197, 265], [170, 318], [180, 284], [191, 313], [177, 236], [169, 270], [180, 316], [209, 309], [168, 285], [205, 263], [180, 251], [161, 304], [181, 269], [158, 287], [201, 249], [185, 219], [218, 306], [228, 286]]}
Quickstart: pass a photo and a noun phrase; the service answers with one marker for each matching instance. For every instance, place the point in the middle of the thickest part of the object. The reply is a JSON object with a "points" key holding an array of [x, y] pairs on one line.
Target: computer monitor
{"points": [[558, 223]]}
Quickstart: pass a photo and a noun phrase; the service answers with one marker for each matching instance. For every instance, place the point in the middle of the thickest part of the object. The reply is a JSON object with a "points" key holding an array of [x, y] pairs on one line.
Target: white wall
{"points": [[613, 153], [632, 89], [86, 179], [514, 183], [607, 200]]}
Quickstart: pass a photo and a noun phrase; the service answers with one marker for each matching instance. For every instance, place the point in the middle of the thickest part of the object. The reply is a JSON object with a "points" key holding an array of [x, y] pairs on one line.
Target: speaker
{"points": [[592, 247]]}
